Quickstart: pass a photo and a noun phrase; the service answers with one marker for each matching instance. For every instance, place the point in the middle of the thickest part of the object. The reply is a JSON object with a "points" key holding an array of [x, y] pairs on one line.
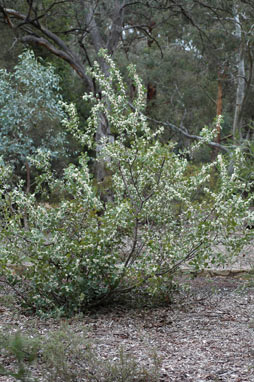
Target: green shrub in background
{"points": [[82, 251], [30, 113]]}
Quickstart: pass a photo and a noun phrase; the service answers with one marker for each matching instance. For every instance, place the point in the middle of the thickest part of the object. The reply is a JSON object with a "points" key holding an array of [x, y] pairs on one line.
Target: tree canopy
{"points": [[187, 52]]}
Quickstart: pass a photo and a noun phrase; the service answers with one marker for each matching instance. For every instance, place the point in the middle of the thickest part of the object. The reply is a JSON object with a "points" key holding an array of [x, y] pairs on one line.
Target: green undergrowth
{"points": [[64, 356]]}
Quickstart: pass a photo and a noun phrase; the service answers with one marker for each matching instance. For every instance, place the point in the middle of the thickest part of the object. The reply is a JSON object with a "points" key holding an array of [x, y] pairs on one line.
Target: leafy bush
{"points": [[30, 112], [82, 252]]}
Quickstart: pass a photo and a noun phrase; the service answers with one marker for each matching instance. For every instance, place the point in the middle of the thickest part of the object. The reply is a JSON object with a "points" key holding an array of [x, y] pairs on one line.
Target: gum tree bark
{"points": [[219, 112], [241, 87]]}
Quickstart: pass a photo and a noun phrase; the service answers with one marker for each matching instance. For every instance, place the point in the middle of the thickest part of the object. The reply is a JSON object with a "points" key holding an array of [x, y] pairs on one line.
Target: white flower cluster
{"points": [[163, 211]]}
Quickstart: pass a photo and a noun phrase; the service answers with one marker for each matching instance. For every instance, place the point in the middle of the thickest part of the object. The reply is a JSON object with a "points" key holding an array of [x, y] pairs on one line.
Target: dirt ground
{"points": [[207, 334]]}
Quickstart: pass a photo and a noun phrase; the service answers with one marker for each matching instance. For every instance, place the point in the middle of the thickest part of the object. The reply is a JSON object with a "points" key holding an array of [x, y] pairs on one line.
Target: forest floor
{"points": [[207, 334]]}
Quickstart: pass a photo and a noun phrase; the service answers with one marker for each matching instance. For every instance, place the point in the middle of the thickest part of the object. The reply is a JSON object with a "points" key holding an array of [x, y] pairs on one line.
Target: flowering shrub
{"points": [[83, 251]]}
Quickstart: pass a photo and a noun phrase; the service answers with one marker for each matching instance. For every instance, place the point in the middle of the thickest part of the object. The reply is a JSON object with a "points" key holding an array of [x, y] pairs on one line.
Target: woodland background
{"points": [[195, 58]]}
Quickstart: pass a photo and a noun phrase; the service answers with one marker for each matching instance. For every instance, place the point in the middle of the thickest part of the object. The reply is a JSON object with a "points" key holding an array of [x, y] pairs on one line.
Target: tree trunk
{"points": [[219, 106], [103, 128], [218, 113], [241, 87], [151, 97], [103, 131], [28, 178], [151, 87]]}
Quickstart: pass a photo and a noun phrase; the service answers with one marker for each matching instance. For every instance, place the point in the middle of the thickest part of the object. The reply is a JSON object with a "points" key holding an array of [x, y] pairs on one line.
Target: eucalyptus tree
{"points": [[243, 24], [30, 113], [227, 46]]}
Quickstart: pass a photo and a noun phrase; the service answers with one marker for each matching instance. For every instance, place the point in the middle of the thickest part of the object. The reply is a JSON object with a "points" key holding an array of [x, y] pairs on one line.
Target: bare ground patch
{"points": [[206, 335]]}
